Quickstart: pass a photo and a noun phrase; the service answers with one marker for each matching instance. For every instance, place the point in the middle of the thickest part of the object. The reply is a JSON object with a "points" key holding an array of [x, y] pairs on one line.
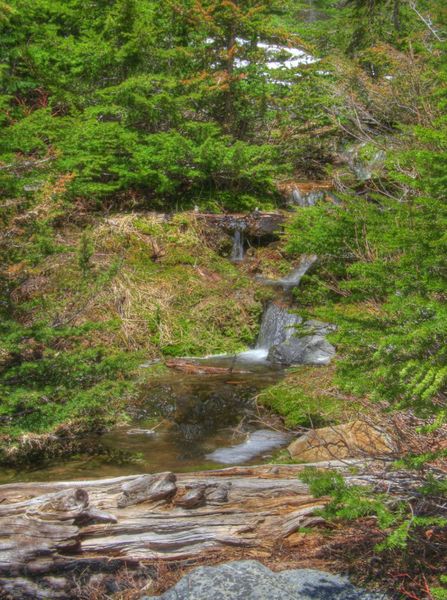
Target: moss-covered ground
{"points": [[308, 397]]}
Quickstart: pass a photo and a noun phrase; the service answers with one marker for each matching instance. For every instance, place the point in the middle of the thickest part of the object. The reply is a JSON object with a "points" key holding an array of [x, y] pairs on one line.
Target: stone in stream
{"points": [[250, 580], [278, 325], [311, 349], [257, 443]]}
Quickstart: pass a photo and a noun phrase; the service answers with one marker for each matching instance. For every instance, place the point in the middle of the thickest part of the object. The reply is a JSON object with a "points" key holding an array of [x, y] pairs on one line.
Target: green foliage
{"points": [[85, 253], [382, 270], [103, 304], [350, 502], [440, 593], [301, 400], [143, 100]]}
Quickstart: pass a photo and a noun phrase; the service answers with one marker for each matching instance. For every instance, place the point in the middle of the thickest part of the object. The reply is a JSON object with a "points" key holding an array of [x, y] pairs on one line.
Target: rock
{"points": [[312, 349], [250, 580], [349, 440]]}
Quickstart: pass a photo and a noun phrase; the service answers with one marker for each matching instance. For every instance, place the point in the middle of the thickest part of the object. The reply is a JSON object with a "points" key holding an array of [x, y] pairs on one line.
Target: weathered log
{"points": [[148, 488], [256, 224], [56, 536]]}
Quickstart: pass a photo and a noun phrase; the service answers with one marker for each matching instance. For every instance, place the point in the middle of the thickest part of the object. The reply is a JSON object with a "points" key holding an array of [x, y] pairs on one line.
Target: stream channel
{"points": [[206, 420]]}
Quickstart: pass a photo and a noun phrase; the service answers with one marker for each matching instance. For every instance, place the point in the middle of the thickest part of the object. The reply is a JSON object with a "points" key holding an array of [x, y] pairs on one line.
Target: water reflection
{"points": [[197, 414]]}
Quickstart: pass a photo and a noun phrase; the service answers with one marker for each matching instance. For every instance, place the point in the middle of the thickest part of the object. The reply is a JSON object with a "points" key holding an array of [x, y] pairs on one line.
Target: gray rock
{"points": [[250, 580], [312, 349]]}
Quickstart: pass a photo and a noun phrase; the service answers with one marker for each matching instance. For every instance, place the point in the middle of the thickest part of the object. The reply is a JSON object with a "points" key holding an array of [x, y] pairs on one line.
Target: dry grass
{"points": [[160, 284]]}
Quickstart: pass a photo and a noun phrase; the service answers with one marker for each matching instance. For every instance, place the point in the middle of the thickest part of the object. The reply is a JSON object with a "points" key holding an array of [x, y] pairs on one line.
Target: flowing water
{"points": [[294, 278], [203, 420], [237, 253]]}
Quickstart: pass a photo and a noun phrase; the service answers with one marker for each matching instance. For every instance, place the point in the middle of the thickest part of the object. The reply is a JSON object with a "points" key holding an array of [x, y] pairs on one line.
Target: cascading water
{"points": [[237, 254], [293, 279], [305, 199], [277, 326]]}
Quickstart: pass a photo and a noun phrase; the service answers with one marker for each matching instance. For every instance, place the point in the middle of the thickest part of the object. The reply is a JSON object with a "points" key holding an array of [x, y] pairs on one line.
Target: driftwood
{"points": [[56, 538], [53, 535]]}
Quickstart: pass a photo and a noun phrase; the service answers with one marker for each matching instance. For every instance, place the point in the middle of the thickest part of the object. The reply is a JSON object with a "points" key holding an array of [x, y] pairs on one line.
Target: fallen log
{"points": [[54, 535], [57, 538]]}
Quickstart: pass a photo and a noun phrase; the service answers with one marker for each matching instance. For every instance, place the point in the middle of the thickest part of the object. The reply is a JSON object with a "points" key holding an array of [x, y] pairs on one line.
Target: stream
{"points": [[204, 420], [201, 414]]}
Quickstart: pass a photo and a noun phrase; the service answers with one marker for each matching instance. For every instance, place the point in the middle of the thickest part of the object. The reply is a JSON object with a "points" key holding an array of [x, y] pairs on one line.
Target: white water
{"points": [[277, 326], [258, 443], [292, 279], [237, 254]]}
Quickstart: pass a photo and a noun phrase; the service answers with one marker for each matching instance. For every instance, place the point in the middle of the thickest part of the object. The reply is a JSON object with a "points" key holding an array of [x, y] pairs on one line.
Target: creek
{"points": [[205, 419]]}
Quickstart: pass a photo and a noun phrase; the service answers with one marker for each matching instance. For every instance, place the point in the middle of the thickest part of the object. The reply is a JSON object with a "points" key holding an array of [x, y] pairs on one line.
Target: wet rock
{"points": [[278, 326], [312, 349], [349, 440], [250, 580]]}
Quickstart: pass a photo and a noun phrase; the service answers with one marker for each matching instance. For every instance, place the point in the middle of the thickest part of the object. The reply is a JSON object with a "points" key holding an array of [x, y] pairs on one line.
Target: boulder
{"points": [[349, 440], [312, 349], [250, 580]]}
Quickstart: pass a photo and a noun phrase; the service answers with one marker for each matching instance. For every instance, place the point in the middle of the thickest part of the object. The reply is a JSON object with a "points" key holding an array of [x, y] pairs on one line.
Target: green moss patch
{"points": [[307, 397]]}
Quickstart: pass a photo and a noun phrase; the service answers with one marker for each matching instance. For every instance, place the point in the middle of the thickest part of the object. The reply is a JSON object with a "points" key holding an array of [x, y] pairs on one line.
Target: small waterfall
{"points": [[293, 279], [237, 253], [278, 325], [305, 199]]}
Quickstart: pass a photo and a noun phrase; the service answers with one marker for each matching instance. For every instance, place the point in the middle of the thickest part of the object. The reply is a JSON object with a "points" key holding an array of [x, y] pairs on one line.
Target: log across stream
{"points": [[55, 535]]}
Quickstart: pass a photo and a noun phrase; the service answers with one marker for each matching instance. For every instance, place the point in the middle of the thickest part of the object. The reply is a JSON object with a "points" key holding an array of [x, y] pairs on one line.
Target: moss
{"points": [[308, 398]]}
